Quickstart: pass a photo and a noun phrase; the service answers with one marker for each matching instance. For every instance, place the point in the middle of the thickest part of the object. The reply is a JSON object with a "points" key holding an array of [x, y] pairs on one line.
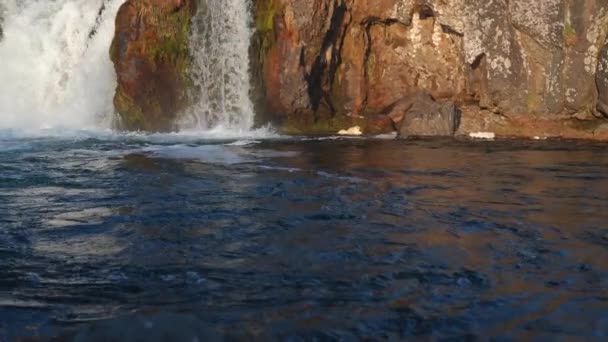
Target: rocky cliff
{"points": [[151, 56], [518, 67], [421, 67]]}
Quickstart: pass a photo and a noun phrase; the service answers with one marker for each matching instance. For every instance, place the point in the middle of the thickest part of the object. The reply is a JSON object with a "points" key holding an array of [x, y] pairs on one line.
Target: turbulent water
{"points": [[304, 238], [244, 235], [55, 69]]}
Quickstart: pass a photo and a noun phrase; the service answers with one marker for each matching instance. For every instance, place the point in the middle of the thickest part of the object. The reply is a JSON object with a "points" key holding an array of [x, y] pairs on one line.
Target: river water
{"points": [[304, 238]]}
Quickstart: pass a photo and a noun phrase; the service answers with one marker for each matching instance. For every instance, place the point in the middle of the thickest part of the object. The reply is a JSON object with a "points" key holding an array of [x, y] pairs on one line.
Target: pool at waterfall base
{"points": [[172, 236]]}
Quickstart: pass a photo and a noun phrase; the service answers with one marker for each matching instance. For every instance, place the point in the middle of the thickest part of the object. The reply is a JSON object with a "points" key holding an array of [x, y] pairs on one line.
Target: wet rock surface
{"points": [[151, 56], [342, 61]]}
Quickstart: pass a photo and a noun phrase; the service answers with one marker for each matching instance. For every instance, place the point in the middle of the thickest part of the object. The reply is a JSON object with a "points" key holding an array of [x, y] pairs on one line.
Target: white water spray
{"points": [[55, 71], [220, 46]]}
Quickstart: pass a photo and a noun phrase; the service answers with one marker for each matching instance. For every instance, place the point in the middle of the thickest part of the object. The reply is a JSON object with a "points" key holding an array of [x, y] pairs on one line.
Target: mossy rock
{"points": [[309, 123], [152, 59]]}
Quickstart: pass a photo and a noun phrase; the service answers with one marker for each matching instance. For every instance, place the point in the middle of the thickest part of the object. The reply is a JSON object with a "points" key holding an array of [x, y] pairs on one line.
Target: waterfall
{"points": [[220, 46], [54, 66], [55, 70]]}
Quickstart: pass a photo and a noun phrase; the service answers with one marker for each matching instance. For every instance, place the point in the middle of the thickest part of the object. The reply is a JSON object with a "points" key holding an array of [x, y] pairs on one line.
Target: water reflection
{"points": [[341, 239]]}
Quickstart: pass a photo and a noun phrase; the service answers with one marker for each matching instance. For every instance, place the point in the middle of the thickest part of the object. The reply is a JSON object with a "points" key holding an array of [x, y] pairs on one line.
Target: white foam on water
{"points": [[214, 153], [242, 143], [388, 136], [281, 168], [9, 137]]}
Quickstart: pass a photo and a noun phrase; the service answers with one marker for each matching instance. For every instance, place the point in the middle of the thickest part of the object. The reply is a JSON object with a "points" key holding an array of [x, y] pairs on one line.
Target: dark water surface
{"points": [[306, 238]]}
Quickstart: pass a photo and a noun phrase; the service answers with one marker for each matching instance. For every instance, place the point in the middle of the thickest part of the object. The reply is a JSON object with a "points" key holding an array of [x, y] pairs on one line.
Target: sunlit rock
{"points": [[337, 63], [420, 115], [151, 56]]}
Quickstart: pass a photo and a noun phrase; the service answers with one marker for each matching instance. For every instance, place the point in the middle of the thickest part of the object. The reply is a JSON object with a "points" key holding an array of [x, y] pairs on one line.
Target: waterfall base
{"points": [[183, 65]]}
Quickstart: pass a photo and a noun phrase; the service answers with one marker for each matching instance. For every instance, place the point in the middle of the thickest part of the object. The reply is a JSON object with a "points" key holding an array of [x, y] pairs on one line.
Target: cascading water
{"points": [[55, 71], [220, 46]]}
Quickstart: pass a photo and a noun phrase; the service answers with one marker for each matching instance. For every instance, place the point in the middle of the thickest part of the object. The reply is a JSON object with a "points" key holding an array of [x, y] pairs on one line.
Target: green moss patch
{"points": [[570, 35]]}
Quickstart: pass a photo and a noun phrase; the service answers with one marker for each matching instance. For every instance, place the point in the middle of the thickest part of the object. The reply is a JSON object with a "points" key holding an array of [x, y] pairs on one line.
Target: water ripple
{"points": [[338, 239]]}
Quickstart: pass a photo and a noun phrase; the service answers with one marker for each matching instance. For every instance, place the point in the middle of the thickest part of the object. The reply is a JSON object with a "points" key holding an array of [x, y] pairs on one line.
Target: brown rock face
{"points": [[425, 117], [602, 82], [151, 57], [419, 115], [329, 63]]}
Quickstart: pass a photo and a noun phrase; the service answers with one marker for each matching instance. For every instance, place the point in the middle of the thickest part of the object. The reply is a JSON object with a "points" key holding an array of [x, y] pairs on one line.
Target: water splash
{"points": [[55, 70], [220, 43]]}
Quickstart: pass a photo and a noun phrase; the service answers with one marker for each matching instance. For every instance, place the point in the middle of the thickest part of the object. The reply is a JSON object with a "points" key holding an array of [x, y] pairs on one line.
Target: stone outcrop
{"points": [[151, 56], [419, 115], [329, 64]]}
